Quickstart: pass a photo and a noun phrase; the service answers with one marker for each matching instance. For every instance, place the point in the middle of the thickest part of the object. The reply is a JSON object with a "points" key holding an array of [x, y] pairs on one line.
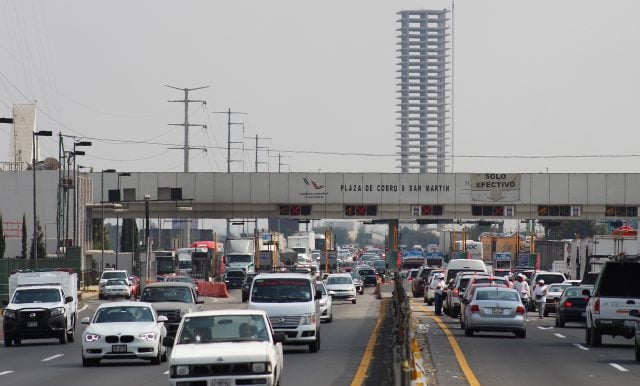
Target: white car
{"points": [[342, 285], [326, 302], [225, 347], [111, 274], [124, 330], [117, 288]]}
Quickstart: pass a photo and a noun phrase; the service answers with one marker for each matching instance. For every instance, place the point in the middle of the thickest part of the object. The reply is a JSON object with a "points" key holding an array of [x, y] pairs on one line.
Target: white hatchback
{"points": [[342, 285]]}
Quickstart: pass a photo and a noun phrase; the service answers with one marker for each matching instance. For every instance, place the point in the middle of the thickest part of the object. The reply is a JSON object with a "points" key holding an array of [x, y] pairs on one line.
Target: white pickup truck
{"points": [[41, 305]]}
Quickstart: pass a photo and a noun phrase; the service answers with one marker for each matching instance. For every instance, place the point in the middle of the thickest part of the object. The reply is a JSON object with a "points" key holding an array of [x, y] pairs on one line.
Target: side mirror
{"points": [[634, 313], [199, 300], [168, 341], [84, 320], [68, 299], [279, 337], [586, 292], [162, 318]]}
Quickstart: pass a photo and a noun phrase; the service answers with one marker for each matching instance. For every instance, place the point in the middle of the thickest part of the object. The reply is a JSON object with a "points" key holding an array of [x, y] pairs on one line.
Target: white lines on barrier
{"points": [[52, 357], [545, 328], [617, 367], [581, 347], [166, 372], [560, 336], [6, 372]]}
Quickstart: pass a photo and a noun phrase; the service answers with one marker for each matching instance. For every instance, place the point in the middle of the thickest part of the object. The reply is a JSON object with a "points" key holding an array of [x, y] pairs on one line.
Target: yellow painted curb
{"points": [[361, 373]]}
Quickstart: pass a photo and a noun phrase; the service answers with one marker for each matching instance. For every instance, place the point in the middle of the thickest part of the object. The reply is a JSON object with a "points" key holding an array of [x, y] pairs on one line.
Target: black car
{"points": [[368, 276], [246, 286], [418, 284], [572, 305], [235, 278]]}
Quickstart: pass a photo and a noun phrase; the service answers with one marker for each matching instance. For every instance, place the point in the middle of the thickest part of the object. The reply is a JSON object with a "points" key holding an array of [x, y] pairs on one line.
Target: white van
{"points": [[292, 304], [458, 265]]}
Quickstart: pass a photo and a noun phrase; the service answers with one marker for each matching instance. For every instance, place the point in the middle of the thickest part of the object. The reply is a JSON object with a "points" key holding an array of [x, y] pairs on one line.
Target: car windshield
{"points": [[550, 278], [339, 280], [167, 294], [281, 290], [116, 282], [497, 295], [223, 328], [239, 258], [356, 275], [239, 274], [366, 272], [123, 314], [39, 295], [379, 263], [114, 275]]}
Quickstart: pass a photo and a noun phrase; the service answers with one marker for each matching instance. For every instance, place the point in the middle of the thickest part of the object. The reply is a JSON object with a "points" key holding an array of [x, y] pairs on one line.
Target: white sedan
{"points": [[342, 285], [124, 330], [326, 302], [225, 347]]}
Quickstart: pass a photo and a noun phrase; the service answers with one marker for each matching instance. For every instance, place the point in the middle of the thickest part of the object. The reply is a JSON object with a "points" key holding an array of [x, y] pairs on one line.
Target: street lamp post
{"points": [[40, 133], [147, 197], [75, 153], [125, 174], [102, 205]]}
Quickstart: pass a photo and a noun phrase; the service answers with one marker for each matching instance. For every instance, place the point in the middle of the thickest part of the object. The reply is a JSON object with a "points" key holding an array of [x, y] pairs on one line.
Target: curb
{"points": [[418, 374]]}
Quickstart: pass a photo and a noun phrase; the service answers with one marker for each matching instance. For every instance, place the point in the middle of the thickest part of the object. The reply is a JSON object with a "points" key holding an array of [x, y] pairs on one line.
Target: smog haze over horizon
{"points": [[549, 81]]}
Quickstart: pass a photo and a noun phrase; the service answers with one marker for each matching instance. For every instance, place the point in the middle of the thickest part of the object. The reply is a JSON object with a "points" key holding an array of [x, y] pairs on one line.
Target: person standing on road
{"points": [[522, 287], [540, 297], [437, 291]]}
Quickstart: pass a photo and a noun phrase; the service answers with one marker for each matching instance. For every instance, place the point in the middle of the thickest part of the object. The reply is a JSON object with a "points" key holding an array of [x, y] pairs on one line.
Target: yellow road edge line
{"points": [[462, 361], [358, 379]]}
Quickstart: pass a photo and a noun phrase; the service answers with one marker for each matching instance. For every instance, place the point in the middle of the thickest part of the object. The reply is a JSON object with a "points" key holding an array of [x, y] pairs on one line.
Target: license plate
{"points": [[497, 311], [221, 382], [119, 348], [32, 324], [629, 323]]}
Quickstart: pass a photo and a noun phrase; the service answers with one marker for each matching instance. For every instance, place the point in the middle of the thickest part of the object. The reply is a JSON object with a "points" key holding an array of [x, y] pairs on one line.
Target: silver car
{"points": [[494, 309], [326, 302]]}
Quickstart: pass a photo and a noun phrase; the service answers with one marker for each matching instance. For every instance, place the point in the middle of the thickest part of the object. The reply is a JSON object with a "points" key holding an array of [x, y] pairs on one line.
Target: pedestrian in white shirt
{"points": [[540, 297]]}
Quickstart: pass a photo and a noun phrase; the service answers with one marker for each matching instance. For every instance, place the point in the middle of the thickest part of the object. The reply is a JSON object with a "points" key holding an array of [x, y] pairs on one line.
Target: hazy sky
{"points": [[543, 78]]}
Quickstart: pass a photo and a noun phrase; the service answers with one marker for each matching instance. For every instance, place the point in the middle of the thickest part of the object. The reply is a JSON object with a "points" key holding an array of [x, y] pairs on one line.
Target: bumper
{"points": [[624, 327], [572, 315], [234, 283], [134, 350], [43, 328], [116, 293], [369, 280], [344, 296], [324, 313], [483, 323], [267, 380], [298, 336]]}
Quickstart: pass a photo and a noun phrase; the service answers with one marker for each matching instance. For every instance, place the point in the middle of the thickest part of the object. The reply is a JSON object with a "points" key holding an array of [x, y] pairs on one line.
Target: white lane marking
{"points": [[545, 328], [52, 357], [6, 372], [84, 307], [581, 347], [618, 367], [560, 336], [166, 372]]}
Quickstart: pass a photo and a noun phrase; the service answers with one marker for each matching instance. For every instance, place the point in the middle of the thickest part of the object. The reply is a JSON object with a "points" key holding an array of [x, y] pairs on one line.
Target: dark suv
{"points": [[616, 293], [418, 284]]}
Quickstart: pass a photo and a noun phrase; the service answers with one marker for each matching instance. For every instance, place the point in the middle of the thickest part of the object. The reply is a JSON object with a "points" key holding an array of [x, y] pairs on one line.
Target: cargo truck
{"points": [[240, 253], [41, 305]]}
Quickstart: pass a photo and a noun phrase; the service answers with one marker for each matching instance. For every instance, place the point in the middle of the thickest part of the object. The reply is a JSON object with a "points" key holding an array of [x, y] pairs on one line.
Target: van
{"points": [[292, 302], [458, 265]]}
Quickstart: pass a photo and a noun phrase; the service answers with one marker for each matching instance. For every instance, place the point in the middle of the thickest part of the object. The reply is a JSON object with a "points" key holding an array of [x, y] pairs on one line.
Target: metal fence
{"points": [[7, 266]]}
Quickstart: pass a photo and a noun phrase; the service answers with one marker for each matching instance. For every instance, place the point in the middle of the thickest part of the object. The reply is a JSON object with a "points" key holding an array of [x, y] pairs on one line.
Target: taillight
{"points": [[596, 306], [568, 304], [520, 310], [474, 308], [456, 292]]}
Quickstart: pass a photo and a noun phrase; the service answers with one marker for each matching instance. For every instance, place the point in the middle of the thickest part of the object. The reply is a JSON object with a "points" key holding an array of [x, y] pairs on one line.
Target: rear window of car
{"points": [[619, 279], [413, 273], [452, 272], [366, 272], [573, 292], [425, 273], [491, 294], [464, 282], [550, 278]]}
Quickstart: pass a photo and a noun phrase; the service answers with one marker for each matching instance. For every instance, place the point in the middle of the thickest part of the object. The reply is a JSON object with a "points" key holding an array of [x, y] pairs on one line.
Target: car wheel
{"points": [[315, 346], [8, 340], [158, 358], [165, 354], [330, 319], [353, 301], [545, 313], [637, 348], [245, 298], [468, 331], [100, 296], [596, 337], [63, 337], [587, 335], [521, 333], [559, 321]]}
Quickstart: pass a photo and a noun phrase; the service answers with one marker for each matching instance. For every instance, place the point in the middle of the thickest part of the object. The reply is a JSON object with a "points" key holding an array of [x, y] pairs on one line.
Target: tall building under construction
{"points": [[424, 115]]}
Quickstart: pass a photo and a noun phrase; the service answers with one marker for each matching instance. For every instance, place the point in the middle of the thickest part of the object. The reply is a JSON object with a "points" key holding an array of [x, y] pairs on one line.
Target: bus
{"points": [[184, 260], [206, 260], [166, 263]]}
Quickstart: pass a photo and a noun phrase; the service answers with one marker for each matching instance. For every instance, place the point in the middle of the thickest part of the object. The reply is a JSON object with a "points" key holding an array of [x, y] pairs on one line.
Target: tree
{"points": [[129, 235], [571, 229], [98, 228], [410, 238], [38, 248], [23, 251], [3, 242]]}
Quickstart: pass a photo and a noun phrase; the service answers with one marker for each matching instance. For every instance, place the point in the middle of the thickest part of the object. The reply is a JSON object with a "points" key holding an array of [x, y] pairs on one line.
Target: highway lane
{"points": [[46, 362], [547, 356]]}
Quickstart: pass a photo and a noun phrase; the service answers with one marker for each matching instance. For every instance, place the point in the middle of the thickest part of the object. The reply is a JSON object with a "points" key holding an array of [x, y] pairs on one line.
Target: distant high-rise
{"points": [[425, 141]]}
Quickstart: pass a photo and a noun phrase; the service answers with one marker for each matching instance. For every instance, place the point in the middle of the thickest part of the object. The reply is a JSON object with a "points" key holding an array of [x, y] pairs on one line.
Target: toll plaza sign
{"points": [[494, 187]]}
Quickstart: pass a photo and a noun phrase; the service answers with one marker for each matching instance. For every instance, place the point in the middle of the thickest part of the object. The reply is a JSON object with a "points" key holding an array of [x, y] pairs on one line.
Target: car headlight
{"points": [[180, 370], [308, 319], [261, 367], [147, 336], [57, 311], [9, 314], [91, 338]]}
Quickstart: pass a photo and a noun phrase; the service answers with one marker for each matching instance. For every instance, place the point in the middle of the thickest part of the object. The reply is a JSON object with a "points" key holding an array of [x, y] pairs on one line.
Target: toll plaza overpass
{"points": [[425, 198]]}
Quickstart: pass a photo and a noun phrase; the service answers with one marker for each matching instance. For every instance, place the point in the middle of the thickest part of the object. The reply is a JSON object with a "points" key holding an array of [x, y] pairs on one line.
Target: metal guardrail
{"points": [[402, 364]]}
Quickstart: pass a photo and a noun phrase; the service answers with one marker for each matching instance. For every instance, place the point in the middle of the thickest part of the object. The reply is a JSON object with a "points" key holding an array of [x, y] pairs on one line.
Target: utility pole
{"points": [[186, 147], [255, 220], [229, 142], [280, 164]]}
